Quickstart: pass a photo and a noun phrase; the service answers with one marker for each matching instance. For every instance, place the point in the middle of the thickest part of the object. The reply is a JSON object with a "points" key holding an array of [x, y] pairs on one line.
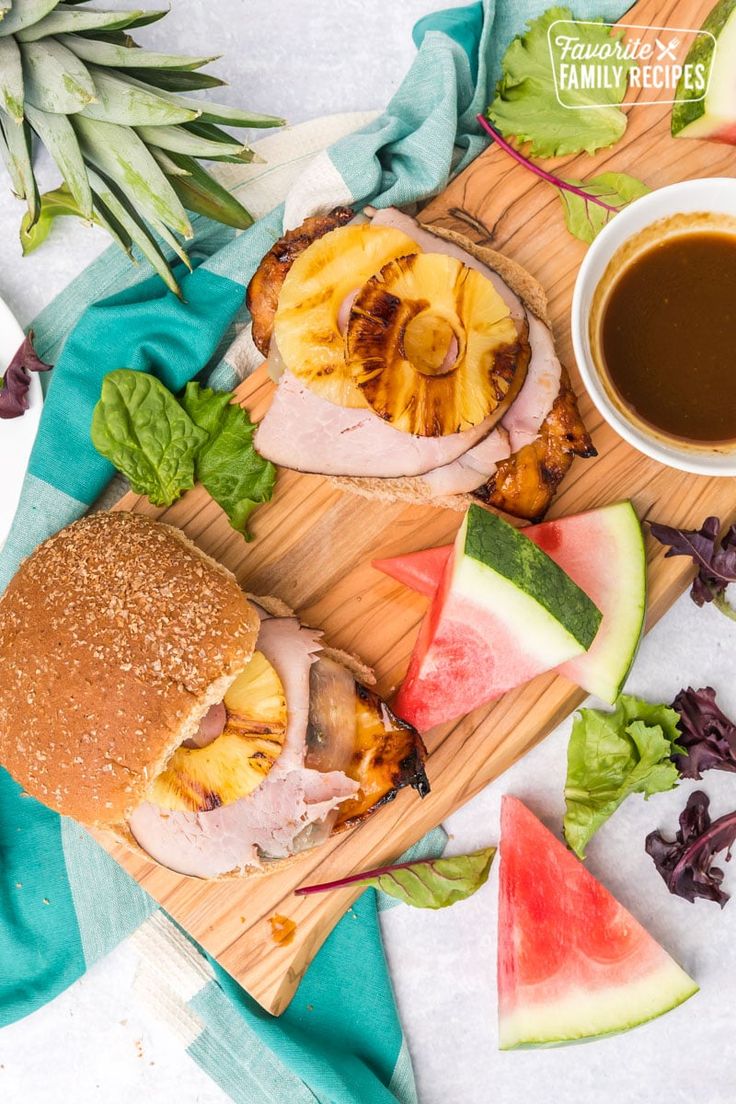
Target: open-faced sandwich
{"points": [[412, 365], [144, 693]]}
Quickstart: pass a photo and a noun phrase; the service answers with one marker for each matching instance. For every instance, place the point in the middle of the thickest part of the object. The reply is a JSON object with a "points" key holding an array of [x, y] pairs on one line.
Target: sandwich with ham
{"points": [[412, 364], [143, 693]]}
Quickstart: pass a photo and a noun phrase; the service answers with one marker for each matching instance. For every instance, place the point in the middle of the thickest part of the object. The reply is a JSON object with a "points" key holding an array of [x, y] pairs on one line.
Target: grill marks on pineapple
{"points": [[265, 287], [235, 764], [315, 289], [433, 348]]}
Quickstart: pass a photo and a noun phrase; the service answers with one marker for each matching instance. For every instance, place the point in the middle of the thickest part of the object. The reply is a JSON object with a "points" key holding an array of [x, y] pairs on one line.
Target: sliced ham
{"points": [[293, 807], [473, 469], [539, 391], [271, 823], [305, 432], [291, 649]]}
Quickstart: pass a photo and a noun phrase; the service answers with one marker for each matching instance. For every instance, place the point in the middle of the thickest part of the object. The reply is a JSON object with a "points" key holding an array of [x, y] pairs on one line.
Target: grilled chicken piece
{"points": [[525, 484], [265, 287], [351, 729]]}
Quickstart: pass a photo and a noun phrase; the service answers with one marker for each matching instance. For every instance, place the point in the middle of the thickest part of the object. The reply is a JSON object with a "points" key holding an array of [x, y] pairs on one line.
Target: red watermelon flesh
{"points": [[420, 571], [573, 963], [504, 612], [461, 652], [603, 552]]}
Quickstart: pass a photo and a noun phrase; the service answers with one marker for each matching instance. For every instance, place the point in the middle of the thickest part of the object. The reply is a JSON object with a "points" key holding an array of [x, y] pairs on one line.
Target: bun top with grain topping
{"points": [[116, 637]]}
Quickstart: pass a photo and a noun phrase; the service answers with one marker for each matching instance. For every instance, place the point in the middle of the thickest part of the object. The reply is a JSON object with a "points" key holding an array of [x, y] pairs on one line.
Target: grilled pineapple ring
{"points": [[314, 295], [432, 346], [196, 780]]}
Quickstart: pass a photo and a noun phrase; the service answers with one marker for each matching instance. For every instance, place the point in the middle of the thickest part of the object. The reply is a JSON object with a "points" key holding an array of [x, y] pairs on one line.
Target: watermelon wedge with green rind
{"points": [[603, 552], [573, 963], [712, 115], [504, 612]]}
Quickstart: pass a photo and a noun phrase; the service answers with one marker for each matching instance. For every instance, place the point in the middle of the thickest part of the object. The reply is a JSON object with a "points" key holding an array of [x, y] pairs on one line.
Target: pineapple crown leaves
{"points": [[119, 124]]}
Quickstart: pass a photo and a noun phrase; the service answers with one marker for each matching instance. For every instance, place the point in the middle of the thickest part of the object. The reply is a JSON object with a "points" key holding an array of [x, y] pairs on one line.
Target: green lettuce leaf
{"points": [[228, 465], [584, 217], [140, 427], [526, 104], [429, 883], [612, 755]]}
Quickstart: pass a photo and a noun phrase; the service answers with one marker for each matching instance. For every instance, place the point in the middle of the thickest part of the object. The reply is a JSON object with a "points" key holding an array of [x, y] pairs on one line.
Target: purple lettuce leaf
{"points": [[706, 734], [713, 555], [686, 863], [16, 382]]}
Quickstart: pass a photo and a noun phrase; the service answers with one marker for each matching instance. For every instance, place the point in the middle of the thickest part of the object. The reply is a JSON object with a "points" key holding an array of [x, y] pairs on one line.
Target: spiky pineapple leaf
{"points": [[121, 155], [152, 225], [123, 57], [57, 135], [16, 152], [24, 13], [130, 103], [70, 21], [201, 193], [176, 80], [165, 162], [11, 79], [231, 116], [56, 204], [136, 228], [110, 224], [141, 19], [179, 140], [55, 78]]}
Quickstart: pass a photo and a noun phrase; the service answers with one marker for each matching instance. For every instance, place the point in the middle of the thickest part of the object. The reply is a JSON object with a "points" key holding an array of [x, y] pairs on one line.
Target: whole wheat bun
{"points": [[413, 489], [116, 636]]}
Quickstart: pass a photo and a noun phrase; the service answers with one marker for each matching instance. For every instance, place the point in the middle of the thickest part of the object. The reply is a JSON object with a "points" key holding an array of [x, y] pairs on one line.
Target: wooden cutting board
{"points": [[313, 546]]}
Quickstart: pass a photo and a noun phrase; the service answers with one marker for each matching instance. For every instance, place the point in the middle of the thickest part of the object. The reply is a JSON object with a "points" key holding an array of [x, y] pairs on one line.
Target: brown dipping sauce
{"points": [[668, 336]]}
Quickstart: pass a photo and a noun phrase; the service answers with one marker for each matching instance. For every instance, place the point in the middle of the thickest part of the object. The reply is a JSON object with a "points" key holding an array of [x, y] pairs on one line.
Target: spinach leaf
{"points": [[228, 465], [140, 427]]}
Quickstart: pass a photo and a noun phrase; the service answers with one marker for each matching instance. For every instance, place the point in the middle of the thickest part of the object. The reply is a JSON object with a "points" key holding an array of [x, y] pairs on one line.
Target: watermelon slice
{"points": [[504, 612], [712, 115], [603, 552], [573, 964], [421, 571]]}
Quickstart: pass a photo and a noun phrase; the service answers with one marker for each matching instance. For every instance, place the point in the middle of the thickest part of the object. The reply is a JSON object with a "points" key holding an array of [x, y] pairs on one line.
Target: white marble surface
{"points": [[96, 1043]]}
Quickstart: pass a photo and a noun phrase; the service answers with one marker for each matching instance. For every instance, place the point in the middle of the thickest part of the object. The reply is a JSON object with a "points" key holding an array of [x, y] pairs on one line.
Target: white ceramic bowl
{"points": [[716, 195]]}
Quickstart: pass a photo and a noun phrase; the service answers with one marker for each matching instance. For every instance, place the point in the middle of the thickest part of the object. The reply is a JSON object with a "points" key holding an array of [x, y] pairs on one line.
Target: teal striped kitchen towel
{"points": [[63, 902]]}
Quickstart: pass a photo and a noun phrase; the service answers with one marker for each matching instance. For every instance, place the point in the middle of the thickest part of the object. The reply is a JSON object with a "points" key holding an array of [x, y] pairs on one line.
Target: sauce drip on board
{"points": [[668, 336]]}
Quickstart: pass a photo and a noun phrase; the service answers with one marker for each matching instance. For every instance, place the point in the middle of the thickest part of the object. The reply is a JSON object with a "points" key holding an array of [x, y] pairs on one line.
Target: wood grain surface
{"points": [[313, 545]]}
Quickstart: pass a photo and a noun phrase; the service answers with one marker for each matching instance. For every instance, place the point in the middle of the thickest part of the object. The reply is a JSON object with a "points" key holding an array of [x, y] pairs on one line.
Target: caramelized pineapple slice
{"points": [[256, 702], [432, 346], [197, 779], [314, 304]]}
